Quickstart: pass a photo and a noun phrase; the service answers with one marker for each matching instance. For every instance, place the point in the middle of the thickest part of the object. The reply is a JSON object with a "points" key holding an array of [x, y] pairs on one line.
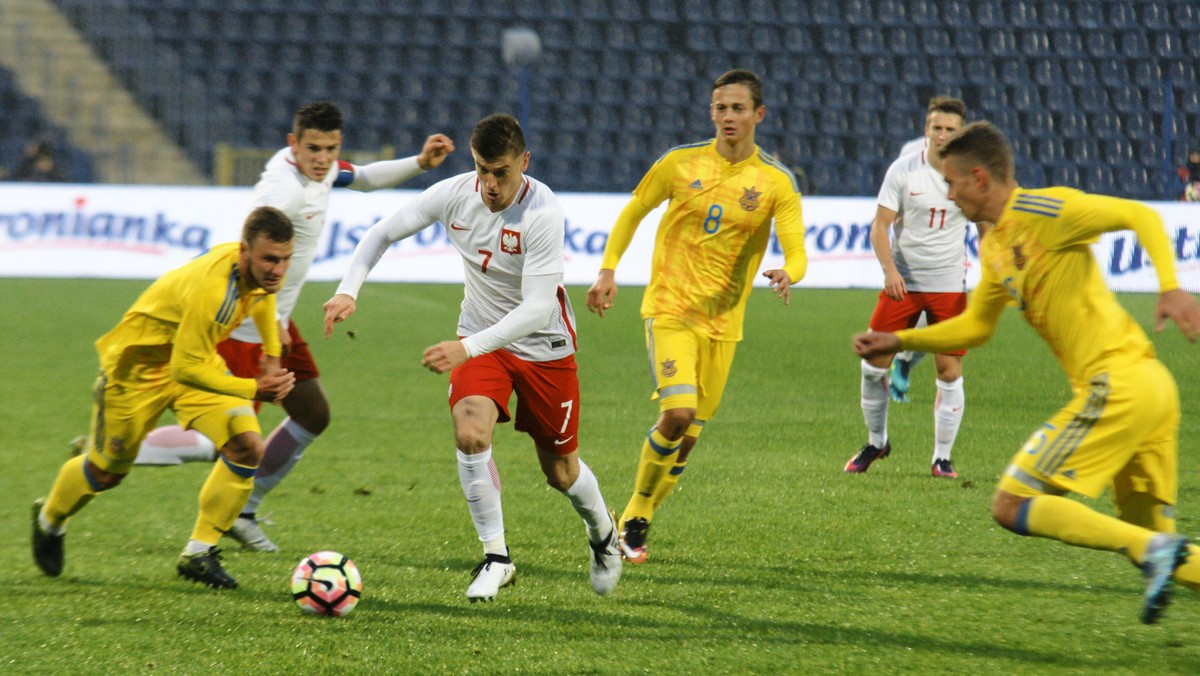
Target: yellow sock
{"points": [[1188, 574], [666, 485], [221, 499], [658, 457], [72, 490], [1063, 519]]}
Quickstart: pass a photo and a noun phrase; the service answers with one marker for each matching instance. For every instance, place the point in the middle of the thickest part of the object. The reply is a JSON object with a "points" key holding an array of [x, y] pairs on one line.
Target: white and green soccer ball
{"points": [[326, 583]]}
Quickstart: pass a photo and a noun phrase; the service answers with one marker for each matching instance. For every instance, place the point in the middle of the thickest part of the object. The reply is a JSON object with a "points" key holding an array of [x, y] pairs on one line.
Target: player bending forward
{"points": [[518, 334]]}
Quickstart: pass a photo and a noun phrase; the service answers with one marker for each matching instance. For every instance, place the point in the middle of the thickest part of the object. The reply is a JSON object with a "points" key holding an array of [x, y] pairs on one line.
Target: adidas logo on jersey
{"points": [[696, 185]]}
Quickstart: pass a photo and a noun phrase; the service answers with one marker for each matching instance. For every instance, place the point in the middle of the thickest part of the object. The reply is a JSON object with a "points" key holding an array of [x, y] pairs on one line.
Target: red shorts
{"points": [[547, 395], [893, 315], [243, 358]]}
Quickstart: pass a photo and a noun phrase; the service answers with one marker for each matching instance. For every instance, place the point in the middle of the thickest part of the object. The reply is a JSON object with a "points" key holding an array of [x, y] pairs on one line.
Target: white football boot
{"points": [[493, 573], [606, 561], [247, 531]]}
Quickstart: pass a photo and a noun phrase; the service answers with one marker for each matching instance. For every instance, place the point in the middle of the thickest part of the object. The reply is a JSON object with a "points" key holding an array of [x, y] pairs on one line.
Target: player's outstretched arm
{"points": [[1180, 307], [781, 282], [876, 344], [604, 290], [436, 148], [338, 309]]}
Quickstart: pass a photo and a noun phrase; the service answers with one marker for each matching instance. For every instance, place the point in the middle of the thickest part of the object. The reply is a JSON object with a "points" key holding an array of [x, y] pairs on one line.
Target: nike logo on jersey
{"points": [[696, 185], [955, 409], [458, 227], [560, 442], [914, 194]]}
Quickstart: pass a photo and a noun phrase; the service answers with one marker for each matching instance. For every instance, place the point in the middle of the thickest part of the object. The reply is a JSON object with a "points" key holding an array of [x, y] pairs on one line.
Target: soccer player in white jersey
{"points": [[906, 361], [297, 181], [516, 333], [924, 270]]}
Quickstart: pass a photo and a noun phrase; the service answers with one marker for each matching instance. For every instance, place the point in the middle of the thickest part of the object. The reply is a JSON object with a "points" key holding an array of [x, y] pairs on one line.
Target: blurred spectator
{"points": [[39, 164], [1189, 174]]}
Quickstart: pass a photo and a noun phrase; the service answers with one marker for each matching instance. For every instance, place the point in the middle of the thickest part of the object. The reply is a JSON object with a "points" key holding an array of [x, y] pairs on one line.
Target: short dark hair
{"points": [[982, 144], [498, 136], [267, 222], [947, 104], [743, 77], [319, 115]]}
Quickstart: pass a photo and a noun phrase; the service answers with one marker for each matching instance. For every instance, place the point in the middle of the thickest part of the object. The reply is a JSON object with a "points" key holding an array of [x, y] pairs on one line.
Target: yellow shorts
{"points": [[122, 416], [689, 368], [1122, 431]]}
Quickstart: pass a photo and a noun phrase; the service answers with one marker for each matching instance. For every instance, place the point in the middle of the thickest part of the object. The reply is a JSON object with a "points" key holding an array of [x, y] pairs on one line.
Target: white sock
{"points": [[173, 445], [196, 547], [49, 528], [284, 449], [875, 404], [481, 487], [585, 497], [947, 416]]}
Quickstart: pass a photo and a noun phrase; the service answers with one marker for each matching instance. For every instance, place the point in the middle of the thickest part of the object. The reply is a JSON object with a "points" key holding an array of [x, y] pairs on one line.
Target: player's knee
{"points": [[674, 422], [314, 421], [102, 480], [244, 449], [1007, 511], [471, 442]]}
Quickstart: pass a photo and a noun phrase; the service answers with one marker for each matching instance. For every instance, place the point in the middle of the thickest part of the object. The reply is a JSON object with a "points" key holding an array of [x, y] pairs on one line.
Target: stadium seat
{"points": [[763, 11], [1088, 15], [1035, 43], [1112, 72], [1065, 174], [1185, 15], [1105, 125], [1134, 45], [1120, 15], [979, 69], [881, 70], [892, 12], [1054, 15], [1001, 43], [1100, 43], [1031, 174], [798, 40], [937, 44], [1156, 16], [1080, 72], [859, 12], [1092, 100], [1072, 124], [957, 14], [1014, 71], [1139, 126], [1098, 178], [1023, 14], [662, 10], [1132, 180], [1168, 45], [1025, 97], [1049, 149], [1036, 121], [1067, 43], [1127, 99], [1048, 73], [914, 70], [836, 39], [924, 15], [989, 14], [1084, 149]]}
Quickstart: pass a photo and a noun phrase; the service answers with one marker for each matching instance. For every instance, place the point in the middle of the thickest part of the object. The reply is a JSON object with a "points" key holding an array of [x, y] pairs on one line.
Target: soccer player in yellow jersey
{"points": [[723, 195], [1120, 429], [163, 354]]}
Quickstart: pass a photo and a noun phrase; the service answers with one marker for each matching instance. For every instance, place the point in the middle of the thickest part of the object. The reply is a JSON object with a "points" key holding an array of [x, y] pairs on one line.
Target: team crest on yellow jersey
{"points": [[668, 368], [749, 199]]}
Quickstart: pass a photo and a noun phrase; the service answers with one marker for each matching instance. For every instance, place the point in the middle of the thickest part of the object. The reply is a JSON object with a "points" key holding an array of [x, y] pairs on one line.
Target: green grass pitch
{"points": [[768, 559]]}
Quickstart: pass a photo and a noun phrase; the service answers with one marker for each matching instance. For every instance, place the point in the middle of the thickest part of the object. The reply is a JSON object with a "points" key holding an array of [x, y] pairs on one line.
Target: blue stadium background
{"points": [[1098, 94]]}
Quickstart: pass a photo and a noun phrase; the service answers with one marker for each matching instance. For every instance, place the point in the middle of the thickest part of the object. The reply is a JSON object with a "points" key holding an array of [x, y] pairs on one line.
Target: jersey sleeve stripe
{"points": [[772, 162], [231, 294]]}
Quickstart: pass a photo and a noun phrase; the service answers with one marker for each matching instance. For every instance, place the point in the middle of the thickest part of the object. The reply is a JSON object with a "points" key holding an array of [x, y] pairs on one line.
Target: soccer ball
{"points": [[326, 583]]}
